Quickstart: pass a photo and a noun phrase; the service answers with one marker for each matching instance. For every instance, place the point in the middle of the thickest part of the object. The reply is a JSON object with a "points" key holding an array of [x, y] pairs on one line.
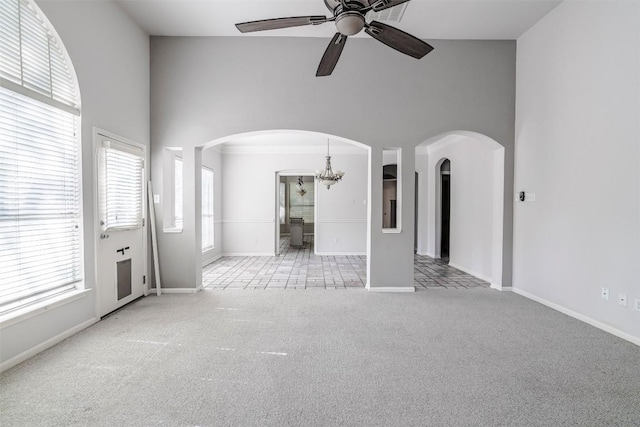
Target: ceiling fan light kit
{"points": [[349, 19]]}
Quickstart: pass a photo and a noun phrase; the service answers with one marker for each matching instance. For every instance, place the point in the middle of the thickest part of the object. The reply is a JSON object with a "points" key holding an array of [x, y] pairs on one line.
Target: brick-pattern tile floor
{"points": [[293, 269], [302, 269], [430, 273]]}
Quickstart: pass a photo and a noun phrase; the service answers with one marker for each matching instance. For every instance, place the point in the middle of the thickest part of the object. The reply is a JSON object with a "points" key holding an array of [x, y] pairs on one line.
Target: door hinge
{"points": [[144, 280], [143, 221]]}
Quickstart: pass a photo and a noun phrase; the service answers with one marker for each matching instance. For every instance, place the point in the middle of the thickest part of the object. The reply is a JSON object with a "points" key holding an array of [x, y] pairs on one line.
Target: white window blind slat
{"points": [[10, 41], [120, 185], [40, 246]]}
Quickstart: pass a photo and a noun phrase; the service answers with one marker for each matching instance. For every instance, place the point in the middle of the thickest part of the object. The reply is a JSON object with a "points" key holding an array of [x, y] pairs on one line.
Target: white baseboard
{"points": [[471, 272], [177, 290], [501, 288], [595, 323], [391, 288], [45, 345], [212, 260], [249, 254], [341, 253]]}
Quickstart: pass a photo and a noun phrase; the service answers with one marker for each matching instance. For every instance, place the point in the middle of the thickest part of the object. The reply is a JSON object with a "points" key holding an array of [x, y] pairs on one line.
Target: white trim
{"points": [[14, 87], [343, 221], [211, 260], [179, 290], [172, 230], [264, 148], [248, 221], [501, 288], [390, 288], [33, 310], [610, 329], [341, 253], [45, 345], [248, 254], [391, 231], [471, 272]]}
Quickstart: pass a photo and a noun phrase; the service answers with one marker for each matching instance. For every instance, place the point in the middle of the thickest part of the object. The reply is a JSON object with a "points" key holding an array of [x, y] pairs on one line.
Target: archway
{"points": [[477, 201], [251, 164], [443, 208]]}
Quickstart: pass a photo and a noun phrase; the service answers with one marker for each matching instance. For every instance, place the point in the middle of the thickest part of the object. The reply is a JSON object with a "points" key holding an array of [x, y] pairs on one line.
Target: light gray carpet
{"points": [[321, 358]]}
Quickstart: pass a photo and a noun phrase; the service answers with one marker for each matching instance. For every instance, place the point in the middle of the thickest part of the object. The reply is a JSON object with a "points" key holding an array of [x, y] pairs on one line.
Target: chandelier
{"points": [[327, 176]]}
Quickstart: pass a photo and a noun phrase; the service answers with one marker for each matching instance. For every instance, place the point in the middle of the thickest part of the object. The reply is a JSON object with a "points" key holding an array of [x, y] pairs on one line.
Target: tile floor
{"points": [[293, 269], [302, 269], [431, 273]]}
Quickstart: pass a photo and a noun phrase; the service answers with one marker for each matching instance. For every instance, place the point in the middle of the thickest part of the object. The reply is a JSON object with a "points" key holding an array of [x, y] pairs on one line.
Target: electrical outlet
{"points": [[622, 299], [605, 293], [636, 304]]}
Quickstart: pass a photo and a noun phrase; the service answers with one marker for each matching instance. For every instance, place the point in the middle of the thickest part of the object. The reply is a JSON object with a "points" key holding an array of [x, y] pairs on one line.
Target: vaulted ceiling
{"points": [[427, 19]]}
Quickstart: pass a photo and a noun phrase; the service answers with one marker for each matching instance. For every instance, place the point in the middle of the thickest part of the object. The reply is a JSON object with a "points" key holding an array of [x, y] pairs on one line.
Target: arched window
{"points": [[40, 200]]}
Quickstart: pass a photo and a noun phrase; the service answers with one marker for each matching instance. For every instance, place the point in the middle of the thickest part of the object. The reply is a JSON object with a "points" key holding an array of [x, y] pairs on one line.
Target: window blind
{"points": [[32, 56], [40, 211], [301, 206], [120, 183], [177, 188], [207, 209]]}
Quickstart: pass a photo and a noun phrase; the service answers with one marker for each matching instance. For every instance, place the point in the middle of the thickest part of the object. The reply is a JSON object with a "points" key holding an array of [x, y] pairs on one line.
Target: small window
{"points": [[283, 203], [172, 171], [301, 199], [177, 193], [120, 184], [207, 209]]}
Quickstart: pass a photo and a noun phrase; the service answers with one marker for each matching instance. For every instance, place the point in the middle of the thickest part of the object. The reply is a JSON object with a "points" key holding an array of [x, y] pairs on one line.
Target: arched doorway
{"points": [[253, 166], [473, 188], [445, 208]]}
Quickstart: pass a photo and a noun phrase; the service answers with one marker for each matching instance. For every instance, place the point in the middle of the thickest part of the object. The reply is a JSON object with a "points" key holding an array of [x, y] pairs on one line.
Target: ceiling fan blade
{"points": [[398, 39], [331, 55], [277, 23], [386, 4]]}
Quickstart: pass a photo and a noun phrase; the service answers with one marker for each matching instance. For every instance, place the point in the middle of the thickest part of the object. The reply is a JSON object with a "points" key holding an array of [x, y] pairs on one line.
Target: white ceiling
{"points": [[426, 19]]}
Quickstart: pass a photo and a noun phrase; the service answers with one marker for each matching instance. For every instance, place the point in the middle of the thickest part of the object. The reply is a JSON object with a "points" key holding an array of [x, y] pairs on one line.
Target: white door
{"points": [[121, 247]]}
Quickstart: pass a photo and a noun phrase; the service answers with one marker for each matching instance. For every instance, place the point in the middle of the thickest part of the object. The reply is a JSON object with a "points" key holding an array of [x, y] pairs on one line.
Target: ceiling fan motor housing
{"points": [[350, 23]]}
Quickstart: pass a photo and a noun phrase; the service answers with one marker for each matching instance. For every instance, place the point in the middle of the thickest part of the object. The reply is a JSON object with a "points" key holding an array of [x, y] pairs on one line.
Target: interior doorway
{"points": [[445, 206], [296, 203]]}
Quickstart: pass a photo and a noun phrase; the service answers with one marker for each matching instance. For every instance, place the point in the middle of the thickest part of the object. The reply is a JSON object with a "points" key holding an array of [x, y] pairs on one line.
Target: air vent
{"points": [[393, 14]]}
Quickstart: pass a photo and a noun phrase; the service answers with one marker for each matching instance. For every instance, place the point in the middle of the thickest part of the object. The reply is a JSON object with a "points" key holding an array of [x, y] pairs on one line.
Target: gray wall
{"points": [[207, 88], [578, 149], [111, 58]]}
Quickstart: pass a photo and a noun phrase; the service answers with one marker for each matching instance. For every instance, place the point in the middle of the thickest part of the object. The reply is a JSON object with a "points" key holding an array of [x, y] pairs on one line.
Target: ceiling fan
{"points": [[349, 18]]}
